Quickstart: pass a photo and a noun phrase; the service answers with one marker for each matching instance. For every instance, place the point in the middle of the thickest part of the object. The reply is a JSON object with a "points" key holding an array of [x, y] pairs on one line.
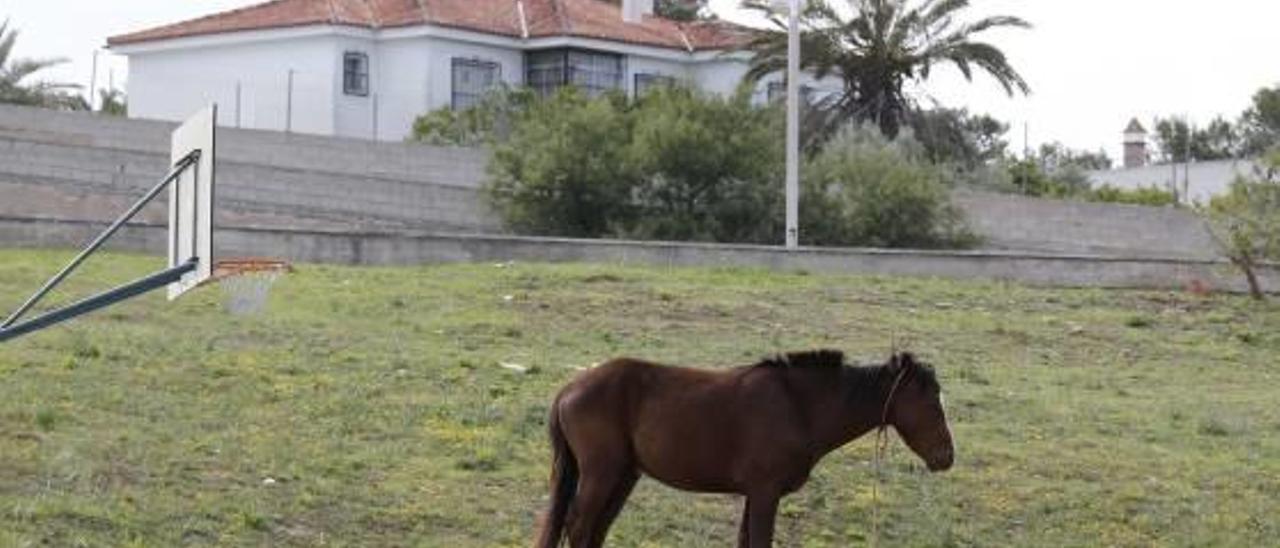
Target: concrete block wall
{"points": [[1020, 223], [304, 181], [342, 181], [373, 248]]}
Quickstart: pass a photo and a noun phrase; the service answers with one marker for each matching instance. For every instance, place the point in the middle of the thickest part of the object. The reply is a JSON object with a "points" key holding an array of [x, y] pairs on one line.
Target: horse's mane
{"points": [[809, 359], [834, 359], [925, 375]]}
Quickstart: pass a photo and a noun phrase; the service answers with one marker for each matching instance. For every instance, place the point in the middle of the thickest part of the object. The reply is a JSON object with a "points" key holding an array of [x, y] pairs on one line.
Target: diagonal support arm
{"points": [[178, 168]]}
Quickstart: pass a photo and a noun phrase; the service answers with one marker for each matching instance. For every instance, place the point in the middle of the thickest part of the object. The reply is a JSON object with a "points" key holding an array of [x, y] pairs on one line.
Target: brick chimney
{"points": [[1135, 145], [633, 11]]}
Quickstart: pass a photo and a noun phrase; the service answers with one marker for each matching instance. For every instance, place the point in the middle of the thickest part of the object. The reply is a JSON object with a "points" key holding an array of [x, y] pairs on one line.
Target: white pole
{"points": [[288, 105], [793, 126], [93, 80]]}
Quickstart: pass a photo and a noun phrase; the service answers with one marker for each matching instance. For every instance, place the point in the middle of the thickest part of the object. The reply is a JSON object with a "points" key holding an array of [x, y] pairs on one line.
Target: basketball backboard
{"points": [[191, 201]]}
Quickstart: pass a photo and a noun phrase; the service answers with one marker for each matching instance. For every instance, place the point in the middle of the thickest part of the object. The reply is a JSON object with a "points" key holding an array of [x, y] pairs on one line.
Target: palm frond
{"points": [[875, 51], [7, 39], [13, 73]]}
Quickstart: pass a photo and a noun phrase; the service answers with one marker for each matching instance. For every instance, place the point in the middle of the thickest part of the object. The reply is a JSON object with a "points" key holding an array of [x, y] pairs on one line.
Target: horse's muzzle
{"points": [[941, 461]]}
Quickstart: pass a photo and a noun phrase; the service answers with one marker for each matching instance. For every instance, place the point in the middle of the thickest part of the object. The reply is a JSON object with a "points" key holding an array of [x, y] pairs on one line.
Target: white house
{"points": [[367, 68]]}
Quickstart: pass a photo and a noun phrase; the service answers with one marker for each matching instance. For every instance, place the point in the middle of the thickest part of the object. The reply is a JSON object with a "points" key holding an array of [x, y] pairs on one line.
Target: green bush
{"points": [[865, 191], [485, 123], [681, 165], [1246, 221], [710, 168], [1030, 179], [675, 165], [564, 169], [1147, 195]]}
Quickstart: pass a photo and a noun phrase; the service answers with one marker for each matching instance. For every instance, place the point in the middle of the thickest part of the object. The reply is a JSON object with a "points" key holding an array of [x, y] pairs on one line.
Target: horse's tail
{"points": [[564, 483]]}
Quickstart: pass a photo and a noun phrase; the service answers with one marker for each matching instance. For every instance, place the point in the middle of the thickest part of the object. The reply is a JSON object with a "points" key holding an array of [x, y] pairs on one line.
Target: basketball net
{"points": [[246, 283]]}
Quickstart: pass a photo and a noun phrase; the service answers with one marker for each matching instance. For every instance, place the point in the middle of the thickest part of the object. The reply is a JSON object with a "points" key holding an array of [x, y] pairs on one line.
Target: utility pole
{"points": [[93, 79], [793, 126], [288, 105], [1026, 140], [375, 117], [1186, 166]]}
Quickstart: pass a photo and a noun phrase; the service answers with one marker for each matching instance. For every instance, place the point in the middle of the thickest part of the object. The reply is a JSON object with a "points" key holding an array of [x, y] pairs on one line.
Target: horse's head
{"points": [[914, 409]]}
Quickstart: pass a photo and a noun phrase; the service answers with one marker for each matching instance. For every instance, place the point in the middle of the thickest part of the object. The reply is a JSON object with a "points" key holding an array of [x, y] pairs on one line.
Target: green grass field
{"points": [[369, 406]]}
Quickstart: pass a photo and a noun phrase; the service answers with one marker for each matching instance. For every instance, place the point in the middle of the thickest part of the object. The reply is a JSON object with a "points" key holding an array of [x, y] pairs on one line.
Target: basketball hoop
{"points": [[247, 282]]}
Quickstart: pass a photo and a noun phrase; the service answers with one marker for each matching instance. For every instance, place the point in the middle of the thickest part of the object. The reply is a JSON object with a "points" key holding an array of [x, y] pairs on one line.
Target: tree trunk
{"points": [[1245, 262]]}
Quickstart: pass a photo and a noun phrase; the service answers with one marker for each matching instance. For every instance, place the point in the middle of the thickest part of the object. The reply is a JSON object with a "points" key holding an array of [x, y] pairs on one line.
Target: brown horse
{"points": [[756, 431]]}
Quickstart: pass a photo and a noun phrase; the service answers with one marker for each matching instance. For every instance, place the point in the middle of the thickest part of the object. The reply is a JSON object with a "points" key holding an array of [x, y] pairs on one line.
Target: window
{"points": [[472, 78], [590, 71], [646, 82], [355, 73], [778, 92], [595, 73]]}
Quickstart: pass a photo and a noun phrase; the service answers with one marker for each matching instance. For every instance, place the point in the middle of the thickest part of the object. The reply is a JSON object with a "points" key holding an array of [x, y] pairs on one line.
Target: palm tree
{"points": [[42, 94], [112, 102], [881, 47]]}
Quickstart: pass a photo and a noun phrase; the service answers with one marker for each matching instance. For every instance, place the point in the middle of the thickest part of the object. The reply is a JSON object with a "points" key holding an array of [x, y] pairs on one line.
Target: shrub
{"points": [[681, 165], [564, 171], [1147, 195], [1030, 179], [486, 123], [710, 167], [863, 190], [1246, 221]]}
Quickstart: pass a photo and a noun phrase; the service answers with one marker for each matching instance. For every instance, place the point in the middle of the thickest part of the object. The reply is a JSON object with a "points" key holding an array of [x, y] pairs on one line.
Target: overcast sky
{"points": [[1092, 64]]}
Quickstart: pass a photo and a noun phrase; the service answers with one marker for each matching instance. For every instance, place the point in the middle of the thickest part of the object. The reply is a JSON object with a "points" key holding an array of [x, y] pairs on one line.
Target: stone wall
{"points": [[374, 248], [1018, 223], [80, 166], [289, 179]]}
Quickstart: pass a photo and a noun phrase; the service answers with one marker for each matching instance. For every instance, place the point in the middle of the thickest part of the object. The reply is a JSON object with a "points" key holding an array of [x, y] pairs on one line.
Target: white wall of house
{"points": [[719, 75], [640, 64], [400, 80], [442, 53], [414, 75], [410, 73], [170, 84], [353, 114]]}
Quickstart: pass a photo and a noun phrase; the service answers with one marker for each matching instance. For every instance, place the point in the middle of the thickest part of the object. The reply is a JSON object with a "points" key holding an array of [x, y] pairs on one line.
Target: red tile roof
{"points": [[542, 18]]}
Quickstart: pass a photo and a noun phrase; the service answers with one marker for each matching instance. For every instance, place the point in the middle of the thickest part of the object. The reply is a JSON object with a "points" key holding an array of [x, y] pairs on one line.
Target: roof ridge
{"points": [[522, 22], [422, 8], [562, 13], [373, 14], [684, 37], [241, 9], [333, 12], [591, 19]]}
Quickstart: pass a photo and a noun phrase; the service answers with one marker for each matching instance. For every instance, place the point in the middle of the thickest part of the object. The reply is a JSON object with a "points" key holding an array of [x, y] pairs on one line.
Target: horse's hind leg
{"points": [[590, 516], [617, 499]]}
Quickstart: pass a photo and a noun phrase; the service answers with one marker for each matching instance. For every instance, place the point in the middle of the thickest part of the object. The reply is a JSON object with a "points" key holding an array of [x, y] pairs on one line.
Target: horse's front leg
{"points": [[761, 512]]}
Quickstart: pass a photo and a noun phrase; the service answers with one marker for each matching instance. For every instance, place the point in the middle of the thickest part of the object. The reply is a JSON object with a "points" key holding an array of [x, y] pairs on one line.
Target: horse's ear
{"points": [[903, 363], [908, 360]]}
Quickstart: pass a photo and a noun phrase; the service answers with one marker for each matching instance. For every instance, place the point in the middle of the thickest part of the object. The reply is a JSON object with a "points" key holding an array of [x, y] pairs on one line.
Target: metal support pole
{"points": [[104, 299], [793, 126], [93, 80], [237, 104], [1186, 167], [375, 117], [186, 161], [288, 105]]}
